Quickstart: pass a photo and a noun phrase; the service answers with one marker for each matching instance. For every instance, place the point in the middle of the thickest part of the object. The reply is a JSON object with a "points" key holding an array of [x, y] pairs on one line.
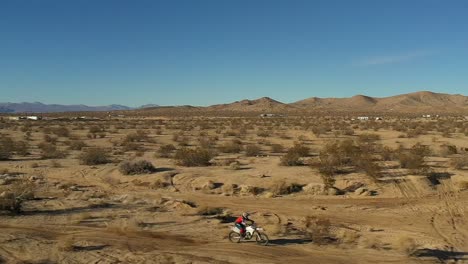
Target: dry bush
{"points": [[159, 184], [50, 151], [22, 148], [277, 148], [19, 191], [252, 150], [413, 159], [229, 189], [282, 188], [234, 146], [165, 151], [138, 136], [294, 155], [318, 229], [194, 157], [406, 244], [137, 167], [7, 147], [61, 131], [460, 162], [447, 149], [462, 185], [251, 190], [328, 180], [131, 146], [49, 139], [77, 145], [209, 211], [263, 133], [94, 156]]}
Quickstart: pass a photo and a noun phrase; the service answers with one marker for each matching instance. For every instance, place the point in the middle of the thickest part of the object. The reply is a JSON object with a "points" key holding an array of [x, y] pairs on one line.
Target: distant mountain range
{"points": [[38, 107], [413, 102]]}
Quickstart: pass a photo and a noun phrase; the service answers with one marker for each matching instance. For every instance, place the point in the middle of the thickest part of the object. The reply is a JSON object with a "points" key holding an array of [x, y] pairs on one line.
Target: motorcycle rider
{"points": [[241, 222]]}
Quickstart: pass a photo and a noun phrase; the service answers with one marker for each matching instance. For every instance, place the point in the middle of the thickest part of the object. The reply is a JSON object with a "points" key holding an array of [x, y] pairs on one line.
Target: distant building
{"points": [[426, 116], [34, 118], [14, 118], [378, 118], [363, 118]]}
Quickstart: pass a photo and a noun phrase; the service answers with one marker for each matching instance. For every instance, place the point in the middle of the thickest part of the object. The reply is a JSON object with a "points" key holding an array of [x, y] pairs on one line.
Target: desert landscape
{"points": [[351, 180]]}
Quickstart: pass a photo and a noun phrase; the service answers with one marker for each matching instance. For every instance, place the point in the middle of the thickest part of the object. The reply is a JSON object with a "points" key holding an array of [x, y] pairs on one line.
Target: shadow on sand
{"points": [[442, 255], [289, 241]]}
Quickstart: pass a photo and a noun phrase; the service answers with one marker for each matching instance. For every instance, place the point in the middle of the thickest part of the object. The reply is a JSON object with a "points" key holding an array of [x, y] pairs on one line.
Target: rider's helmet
{"points": [[245, 215]]}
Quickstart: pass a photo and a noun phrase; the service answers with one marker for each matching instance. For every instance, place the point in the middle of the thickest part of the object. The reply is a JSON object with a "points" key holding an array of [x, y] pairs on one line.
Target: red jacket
{"points": [[240, 220]]}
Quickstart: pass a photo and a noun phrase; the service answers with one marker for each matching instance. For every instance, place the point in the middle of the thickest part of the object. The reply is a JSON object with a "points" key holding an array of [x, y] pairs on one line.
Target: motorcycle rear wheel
{"points": [[234, 237]]}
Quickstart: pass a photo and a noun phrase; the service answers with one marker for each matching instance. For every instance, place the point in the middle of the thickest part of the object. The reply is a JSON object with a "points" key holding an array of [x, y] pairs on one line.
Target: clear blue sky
{"points": [[202, 52]]}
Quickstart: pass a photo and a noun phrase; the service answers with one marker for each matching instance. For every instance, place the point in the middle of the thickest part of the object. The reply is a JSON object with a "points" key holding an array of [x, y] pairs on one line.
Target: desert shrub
{"points": [[460, 162], [20, 191], [77, 145], [294, 155], [462, 185], [263, 133], [49, 139], [137, 167], [300, 149], [95, 129], [282, 188], [193, 157], [50, 151], [208, 211], [447, 149], [387, 153], [234, 146], [328, 180], [94, 156], [291, 159], [318, 229], [364, 163], [61, 131], [138, 136], [252, 150], [368, 137], [166, 150], [22, 148], [277, 148], [131, 146], [206, 142], [414, 158], [7, 147]]}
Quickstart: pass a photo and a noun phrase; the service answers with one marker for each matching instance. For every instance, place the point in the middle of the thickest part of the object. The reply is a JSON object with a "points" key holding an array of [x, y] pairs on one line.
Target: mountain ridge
{"points": [[411, 102]]}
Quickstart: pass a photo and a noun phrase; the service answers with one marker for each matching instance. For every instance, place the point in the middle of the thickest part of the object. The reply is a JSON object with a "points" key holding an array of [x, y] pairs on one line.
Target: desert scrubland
{"points": [[149, 189]]}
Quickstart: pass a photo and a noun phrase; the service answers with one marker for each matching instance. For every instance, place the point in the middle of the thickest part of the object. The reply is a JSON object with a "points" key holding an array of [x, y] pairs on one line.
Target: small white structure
{"points": [[33, 118], [378, 118], [363, 118], [14, 118], [426, 116], [267, 115]]}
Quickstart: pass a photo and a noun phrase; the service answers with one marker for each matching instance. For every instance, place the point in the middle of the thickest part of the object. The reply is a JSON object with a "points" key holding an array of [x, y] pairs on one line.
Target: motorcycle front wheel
{"points": [[262, 239], [234, 237]]}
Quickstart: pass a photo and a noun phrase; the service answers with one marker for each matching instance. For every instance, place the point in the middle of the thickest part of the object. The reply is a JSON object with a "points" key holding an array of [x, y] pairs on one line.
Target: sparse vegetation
{"points": [[193, 157], [137, 167], [94, 156]]}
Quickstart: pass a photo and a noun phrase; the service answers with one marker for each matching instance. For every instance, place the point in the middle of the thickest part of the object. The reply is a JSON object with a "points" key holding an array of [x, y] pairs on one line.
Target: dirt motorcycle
{"points": [[250, 232]]}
